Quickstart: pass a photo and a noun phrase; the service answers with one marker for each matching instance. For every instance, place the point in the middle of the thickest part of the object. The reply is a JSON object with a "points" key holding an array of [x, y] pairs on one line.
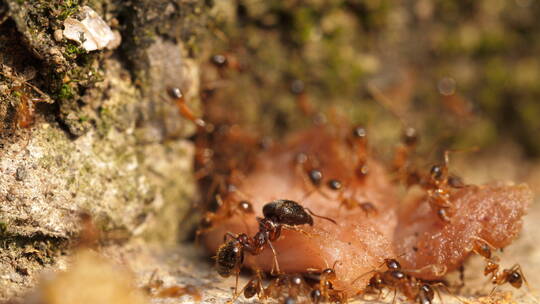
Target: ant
{"points": [[358, 141], [513, 275], [350, 202], [398, 279], [297, 88], [183, 109], [210, 218], [311, 172], [155, 289], [323, 289], [278, 214], [402, 157], [286, 286], [226, 61], [439, 185]]}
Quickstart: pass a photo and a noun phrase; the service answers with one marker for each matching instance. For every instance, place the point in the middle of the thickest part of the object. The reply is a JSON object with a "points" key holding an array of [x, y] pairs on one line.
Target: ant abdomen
{"points": [[287, 212], [229, 258]]}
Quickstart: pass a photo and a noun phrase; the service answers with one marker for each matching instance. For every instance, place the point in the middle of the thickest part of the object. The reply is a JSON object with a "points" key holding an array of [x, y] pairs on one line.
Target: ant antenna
{"points": [[438, 271], [358, 277], [320, 216]]}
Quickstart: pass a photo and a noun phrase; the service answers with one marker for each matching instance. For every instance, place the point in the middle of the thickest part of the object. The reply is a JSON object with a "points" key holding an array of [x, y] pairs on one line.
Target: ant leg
{"points": [[357, 278], [275, 258], [493, 291], [236, 283], [437, 269], [448, 291], [461, 278], [229, 234]]}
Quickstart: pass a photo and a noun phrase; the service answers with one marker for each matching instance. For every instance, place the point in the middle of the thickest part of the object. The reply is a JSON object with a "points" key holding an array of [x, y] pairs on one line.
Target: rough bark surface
{"points": [[96, 133]]}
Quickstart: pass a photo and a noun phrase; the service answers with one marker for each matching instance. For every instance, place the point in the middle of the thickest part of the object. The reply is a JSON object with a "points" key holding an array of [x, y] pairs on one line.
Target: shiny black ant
{"points": [[278, 215]]}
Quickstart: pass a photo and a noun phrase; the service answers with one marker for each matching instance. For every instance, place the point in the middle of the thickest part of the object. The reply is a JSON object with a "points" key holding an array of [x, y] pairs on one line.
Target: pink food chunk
{"points": [[410, 232], [491, 213]]}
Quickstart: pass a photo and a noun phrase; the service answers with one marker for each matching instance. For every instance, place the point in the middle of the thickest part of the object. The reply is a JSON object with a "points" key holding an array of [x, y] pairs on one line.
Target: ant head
{"points": [[289, 300], [315, 176], [297, 87], [176, 93], [426, 294], [315, 295], [245, 206], [297, 280], [335, 184], [219, 60], [376, 281], [329, 271], [515, 279], [362, 171], [436, 172], [359, 132], [301, 158], [392, 264], [206, 221], [252, 288], [410, 137]]}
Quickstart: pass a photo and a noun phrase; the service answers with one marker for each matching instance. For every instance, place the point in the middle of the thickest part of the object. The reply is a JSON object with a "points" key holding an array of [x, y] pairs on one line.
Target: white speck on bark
{"points": [[91, 32]]}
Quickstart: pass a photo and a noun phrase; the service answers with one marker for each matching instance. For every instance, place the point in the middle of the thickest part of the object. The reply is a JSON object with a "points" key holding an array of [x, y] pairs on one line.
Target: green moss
{"points": [[73, 50], [65, 92]]}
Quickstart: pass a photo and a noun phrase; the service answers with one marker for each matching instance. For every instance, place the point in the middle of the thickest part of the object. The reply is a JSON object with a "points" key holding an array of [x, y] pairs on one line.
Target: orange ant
{"points": [[324, 290], [439, 184], [278, 214], [513, 275], [155, 289], [286, 286], [350, 202], [402, 157], [297, 88], [398, 279], [226, 61], [358, 141], [183, 109], [310, 172], [210, 219]]}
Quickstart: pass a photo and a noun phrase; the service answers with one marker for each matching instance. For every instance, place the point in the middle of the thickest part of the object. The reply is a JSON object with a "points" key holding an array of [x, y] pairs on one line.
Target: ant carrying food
{"points": [[278, 215], [513, 275]]}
